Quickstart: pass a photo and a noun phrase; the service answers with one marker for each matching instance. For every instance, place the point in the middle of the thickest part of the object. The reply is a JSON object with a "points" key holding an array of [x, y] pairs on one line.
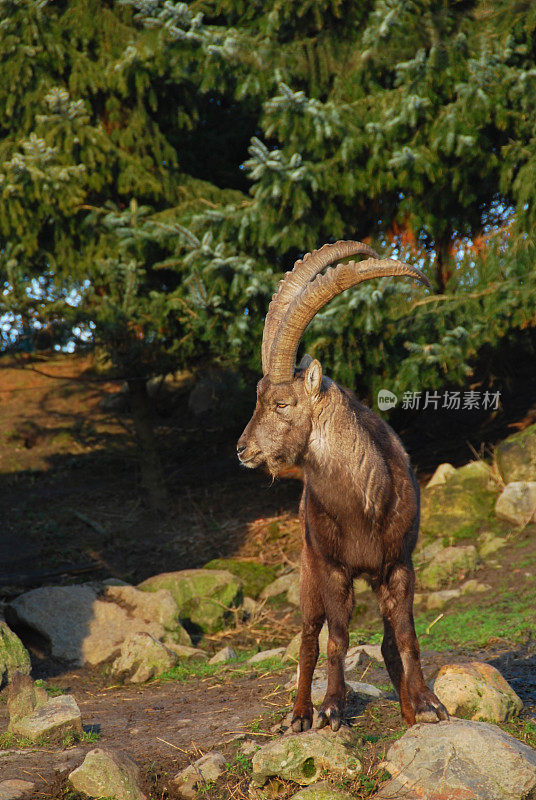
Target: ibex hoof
{"points": [[300, 724], [431, 710], [330, 713]]}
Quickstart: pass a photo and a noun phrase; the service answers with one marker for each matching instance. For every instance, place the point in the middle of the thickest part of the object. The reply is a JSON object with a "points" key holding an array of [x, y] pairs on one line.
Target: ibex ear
{"points": [[313, 379]]}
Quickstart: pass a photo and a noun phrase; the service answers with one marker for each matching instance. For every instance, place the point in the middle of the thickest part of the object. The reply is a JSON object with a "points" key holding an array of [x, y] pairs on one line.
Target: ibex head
{"points": [[289, 399]]}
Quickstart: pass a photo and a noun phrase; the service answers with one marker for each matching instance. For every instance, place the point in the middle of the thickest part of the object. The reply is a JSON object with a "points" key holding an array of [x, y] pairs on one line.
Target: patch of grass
{"points": [[52, 691], [240, 766], [365, 784], [10, 740], [522, 729], [72, 738], [201, 669], [509, 619]]}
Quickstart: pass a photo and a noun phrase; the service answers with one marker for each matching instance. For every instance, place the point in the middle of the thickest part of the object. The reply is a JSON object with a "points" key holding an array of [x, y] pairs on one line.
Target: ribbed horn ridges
{"points": [[315, 296], [303, 272]]}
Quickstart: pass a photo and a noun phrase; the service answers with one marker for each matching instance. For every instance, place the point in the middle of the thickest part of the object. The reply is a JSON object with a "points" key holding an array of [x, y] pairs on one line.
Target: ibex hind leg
{"points": [[401, 650], [313, 616]]}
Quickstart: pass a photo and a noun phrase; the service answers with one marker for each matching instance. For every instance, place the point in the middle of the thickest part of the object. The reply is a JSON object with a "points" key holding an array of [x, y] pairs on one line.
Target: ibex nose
{"points": [[240, 448]]}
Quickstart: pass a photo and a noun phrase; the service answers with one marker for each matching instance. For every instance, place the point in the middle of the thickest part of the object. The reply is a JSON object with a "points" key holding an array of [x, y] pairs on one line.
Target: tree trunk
{"points": [[152, 474], [444, 265]]}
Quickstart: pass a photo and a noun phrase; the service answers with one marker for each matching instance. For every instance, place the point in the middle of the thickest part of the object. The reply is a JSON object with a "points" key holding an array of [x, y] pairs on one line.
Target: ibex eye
{"points": [[281, 405]]}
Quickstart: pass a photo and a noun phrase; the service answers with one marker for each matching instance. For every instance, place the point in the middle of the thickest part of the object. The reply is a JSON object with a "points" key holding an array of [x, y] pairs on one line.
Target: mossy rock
{"points": [[447, 566], [252, 575], [460, 506], [13, 655], [205, 597], [515, 457]]}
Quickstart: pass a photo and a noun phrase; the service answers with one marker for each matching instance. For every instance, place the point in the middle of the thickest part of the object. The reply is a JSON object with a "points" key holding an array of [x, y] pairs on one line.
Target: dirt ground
{"points": [[71, 511]]}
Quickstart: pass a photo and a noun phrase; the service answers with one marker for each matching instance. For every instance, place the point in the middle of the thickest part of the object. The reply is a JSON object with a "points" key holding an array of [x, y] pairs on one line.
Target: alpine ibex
{"points": [[359, 509]]}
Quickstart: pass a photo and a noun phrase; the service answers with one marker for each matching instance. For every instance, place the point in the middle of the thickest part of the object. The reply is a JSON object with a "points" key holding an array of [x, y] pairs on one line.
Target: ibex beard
{"points": [[359, 510]]}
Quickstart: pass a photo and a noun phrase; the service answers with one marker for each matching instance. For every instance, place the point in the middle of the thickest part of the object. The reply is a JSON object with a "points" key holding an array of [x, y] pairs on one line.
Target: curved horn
{"points": [[304, 270], [315, 296]]}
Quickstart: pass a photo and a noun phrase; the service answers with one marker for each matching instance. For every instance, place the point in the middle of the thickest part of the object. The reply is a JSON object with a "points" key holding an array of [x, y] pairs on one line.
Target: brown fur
{"points": [[359, 514]]}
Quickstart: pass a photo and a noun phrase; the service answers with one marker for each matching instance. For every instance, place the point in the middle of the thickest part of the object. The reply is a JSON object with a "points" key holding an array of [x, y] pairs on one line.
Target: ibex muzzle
{"points": [[359, 510]]}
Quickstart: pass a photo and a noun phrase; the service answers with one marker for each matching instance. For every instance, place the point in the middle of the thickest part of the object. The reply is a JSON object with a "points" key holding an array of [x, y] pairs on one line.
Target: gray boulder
{"points": [[13, 655], [517, 503], [303, 757], [459, 759], [107, 773], [87, 624], [192, 779]]}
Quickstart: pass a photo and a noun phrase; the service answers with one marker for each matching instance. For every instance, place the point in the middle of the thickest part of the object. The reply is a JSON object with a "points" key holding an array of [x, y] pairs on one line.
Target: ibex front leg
{"points": [[401, 650], [313, 616], [337, 592]]}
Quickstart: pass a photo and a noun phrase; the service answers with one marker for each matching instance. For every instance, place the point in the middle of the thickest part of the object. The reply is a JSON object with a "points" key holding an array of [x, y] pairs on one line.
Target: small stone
{"points": [[15, 789], [374, 651], [107, 773], [292, 652], [276, 652], [206, 769], [60, 715], [184, 652], [142, 657], [517, 503], [319, 688], [476, 691], [223, 655], [440, 599], [24, 696], [250, 607], [280, 585], [441, 474], [354, 657], [489, 543], [293, 594], [473, 586], [302, 757], [13, 655]]}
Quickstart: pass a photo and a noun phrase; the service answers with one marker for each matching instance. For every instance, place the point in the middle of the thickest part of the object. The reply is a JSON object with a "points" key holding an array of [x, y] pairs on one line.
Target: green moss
{"points": [[252, 575], [205, 597], [458, 508], [13, 655]]}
